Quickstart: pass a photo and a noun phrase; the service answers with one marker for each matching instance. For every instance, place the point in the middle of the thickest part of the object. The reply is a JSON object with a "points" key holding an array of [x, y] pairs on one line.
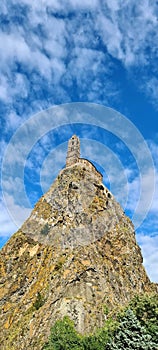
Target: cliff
{"points": [[76, 255]]}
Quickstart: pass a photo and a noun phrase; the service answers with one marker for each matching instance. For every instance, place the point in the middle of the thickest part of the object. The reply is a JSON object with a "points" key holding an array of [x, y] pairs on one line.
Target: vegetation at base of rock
{"points": [[130, 335], [64, 336], [145, 307], [134, 328]]}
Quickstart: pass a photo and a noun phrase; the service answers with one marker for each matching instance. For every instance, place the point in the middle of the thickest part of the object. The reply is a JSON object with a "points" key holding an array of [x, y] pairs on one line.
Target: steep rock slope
{"points": [[76, 255]]}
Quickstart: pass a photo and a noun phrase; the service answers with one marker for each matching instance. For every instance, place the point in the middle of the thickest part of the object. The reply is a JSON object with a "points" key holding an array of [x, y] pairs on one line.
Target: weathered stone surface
{"points": [[75, 255], [75, 211]]}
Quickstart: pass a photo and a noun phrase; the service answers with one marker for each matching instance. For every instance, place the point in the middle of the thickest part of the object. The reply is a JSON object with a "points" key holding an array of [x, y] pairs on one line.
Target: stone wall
{"points": [[91, 167]]}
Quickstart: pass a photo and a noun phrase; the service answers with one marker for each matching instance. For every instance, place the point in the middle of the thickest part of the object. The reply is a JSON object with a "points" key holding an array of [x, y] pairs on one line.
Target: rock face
{"points": [[76, 255]]}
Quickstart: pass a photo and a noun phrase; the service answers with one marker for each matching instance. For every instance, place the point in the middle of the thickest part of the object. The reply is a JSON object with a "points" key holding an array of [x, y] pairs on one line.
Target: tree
{"points": [[145, 307], [64, 336], [99, 339], [130, 335]]}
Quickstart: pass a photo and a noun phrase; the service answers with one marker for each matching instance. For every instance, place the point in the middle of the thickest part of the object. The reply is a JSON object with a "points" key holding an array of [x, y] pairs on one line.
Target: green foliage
{"points": [[106, 309], [136, 328], [39, 301], [64, 336], [145, 307], [99, 339], [130, 335], [45, 229]]}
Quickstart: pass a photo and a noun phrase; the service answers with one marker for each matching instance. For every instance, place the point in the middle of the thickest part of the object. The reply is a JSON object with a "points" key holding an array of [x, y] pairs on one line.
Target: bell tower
{"points": [[73, 153]]}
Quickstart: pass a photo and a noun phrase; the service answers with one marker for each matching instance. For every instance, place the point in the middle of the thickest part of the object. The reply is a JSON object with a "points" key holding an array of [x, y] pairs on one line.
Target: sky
{"points": [[88, 68]]}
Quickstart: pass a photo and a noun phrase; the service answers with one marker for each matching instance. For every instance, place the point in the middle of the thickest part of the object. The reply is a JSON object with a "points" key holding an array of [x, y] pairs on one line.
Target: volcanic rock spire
{"points": [[75, 255]]}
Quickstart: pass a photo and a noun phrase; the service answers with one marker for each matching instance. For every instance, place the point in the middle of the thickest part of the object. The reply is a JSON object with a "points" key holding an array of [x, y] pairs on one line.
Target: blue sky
{"points": [[61, 52]]}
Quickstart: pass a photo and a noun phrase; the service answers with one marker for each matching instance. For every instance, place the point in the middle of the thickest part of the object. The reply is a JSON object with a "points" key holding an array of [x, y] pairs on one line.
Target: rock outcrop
{"points": [[76, 255]]}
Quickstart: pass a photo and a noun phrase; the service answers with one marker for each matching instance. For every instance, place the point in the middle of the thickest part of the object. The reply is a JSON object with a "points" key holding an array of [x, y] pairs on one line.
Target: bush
{"points": [[99, 339], [64, 336]]}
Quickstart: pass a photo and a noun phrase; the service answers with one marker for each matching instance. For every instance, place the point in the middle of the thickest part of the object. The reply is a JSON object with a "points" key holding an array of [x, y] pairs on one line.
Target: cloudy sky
{"points": [[61, 56]]}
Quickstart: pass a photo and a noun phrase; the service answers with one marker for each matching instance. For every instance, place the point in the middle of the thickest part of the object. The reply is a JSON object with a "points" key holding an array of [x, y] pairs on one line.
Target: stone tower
{"points": [[73, 153]]}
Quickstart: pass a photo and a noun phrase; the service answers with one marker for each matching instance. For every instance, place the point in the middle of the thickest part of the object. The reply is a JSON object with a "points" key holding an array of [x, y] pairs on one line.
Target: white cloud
{"points": [[12, 216], [54, 161], [60, 5], [111, 35], [15, 48], [64, 49], [30, 54], [135, 188], [87, 4], [3, 89], [83, 62], [13, 121], [149, 246], [6, 224], [127, 28]]}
